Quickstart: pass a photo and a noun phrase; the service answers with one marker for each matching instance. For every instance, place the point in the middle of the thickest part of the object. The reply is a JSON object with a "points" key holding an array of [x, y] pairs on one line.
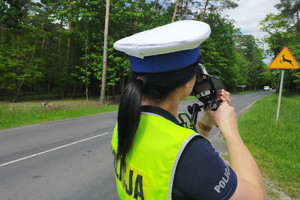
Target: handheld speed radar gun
{"points": [[206, 90]]}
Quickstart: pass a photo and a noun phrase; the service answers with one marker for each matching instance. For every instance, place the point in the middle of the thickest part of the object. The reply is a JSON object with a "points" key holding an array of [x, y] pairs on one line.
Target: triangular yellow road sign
{"points": [[284, 60]]}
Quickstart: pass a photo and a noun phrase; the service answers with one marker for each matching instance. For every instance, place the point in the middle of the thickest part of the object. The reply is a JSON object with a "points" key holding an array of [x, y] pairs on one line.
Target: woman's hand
{"points": [[224, 96], [205, 123], [224, 117]]}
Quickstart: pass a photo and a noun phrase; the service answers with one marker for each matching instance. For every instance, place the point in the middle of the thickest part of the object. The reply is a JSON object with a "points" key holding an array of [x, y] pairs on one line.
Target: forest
{"points": [[52, 49]]}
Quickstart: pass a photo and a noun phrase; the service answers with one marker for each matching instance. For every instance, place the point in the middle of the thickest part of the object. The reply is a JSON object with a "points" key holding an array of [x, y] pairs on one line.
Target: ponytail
{"points": [[129, 117], [156, 87]]}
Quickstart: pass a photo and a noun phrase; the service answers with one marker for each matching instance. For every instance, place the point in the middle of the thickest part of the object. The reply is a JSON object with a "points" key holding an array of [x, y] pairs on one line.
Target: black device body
{"points": [[207, 88]]}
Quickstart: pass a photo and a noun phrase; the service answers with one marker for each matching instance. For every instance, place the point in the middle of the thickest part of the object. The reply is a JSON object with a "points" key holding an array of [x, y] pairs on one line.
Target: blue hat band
{"points": [[164, 62]]}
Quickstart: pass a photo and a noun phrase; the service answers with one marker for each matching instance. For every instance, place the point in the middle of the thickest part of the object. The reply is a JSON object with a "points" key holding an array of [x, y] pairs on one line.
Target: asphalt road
{"points": [[68, 159]]}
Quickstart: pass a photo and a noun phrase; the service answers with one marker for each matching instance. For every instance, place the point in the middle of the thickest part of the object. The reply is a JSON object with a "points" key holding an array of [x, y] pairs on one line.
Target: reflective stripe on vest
{"points": [[152, 159]]}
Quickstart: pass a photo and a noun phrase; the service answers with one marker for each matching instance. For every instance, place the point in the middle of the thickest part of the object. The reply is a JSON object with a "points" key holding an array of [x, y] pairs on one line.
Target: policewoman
{"points": [[154, 157]]}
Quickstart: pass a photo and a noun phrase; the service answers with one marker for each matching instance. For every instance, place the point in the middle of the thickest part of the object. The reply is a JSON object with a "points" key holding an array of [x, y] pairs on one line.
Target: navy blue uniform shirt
{"points": [[200, 172]]}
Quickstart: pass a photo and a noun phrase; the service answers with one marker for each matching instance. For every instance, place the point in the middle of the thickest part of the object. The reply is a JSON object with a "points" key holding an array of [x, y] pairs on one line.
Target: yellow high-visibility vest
{"points": [[152, 159]]}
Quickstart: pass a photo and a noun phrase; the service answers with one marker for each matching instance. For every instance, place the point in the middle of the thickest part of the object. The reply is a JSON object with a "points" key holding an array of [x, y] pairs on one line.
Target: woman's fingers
{"points": [[224, 96]]}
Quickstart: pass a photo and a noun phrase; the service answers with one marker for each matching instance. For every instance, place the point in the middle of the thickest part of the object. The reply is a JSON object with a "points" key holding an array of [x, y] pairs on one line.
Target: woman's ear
{"points": [[186, 89], [187, 85]]}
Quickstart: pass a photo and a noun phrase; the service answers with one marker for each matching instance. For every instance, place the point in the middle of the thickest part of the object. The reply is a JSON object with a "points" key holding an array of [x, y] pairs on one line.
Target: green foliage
{"points": [[56, 47], [248, 46], [242, 66], [284, 31], [266, 77], [234, 57], [219, 50], [279, 32]]}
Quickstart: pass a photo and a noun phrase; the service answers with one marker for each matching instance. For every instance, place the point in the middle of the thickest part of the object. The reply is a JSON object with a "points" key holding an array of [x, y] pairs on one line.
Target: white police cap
{"points": [[165, 48]]}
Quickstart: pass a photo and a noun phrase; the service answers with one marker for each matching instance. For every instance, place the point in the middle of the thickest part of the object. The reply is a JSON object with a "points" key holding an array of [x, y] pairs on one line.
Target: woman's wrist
{"points": [[230, 133], [204, 127]]}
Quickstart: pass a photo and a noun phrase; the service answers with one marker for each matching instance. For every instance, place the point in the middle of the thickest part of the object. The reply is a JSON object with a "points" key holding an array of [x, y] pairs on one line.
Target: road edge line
{"points": [[53, 149]]}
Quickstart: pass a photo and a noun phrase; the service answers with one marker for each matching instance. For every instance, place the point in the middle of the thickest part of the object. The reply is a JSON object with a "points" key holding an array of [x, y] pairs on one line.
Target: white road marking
{"points": [[54, 149]]}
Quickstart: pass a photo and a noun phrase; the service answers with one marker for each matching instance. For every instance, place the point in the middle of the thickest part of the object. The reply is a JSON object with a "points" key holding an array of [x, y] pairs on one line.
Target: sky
{"points": [[249, 13]]}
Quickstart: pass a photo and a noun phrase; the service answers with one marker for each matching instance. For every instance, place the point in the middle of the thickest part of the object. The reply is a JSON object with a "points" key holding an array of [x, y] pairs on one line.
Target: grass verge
{"points": [[25, 113], [189, 98], [276, 148]]}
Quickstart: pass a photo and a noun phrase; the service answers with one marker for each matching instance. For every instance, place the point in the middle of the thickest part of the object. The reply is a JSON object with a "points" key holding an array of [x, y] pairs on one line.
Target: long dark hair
{"points": [[154, 86]]}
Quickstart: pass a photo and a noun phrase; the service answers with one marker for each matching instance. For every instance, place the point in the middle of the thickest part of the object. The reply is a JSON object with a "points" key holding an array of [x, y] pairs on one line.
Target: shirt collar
{"points": [[161, 112]]}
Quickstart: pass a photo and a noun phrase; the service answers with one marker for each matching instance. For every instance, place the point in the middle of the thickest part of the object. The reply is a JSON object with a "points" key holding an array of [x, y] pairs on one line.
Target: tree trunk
{"points": [[250, 83], [43, 43], [136, 19], [175, 11], [298, 29], [85, 63], [181, 9], [186, 9], [48, 85], [69, 38], [59, 37], [113, 93], [123, 81], [102, 94], [2, 35], [155, 5], [86, 91], [204, 10]]}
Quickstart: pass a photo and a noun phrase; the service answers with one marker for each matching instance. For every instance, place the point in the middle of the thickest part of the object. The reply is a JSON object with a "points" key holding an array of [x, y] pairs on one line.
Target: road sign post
{"points": [[284, 60], [279, 99]]}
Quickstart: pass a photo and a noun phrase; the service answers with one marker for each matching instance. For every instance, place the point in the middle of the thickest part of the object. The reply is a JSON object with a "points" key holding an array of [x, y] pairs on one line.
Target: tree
{"points": [[242, 66], [65, 38], [290, 9], [155, 5], [85, 68], [136, 22], [186, 9], [19, 52], [218, 51], [175, 10], [281, 33], [102, 94], [266, 77], [247, 45], [217, 5], [204, 10]]}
